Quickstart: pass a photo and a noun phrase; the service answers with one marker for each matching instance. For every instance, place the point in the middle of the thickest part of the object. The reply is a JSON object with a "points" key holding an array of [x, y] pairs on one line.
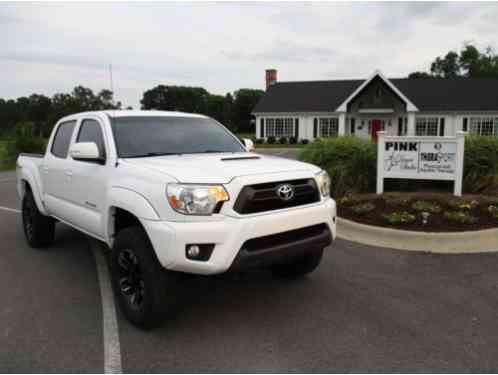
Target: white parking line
{"points": [[10, 209], [112, 347]]}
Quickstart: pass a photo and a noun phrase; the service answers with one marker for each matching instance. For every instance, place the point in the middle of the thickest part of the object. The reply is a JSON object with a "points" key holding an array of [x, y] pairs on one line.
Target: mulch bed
{"points": [[393, 202]]}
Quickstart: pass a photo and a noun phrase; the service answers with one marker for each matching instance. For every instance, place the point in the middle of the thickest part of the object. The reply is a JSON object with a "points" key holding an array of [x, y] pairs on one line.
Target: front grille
{"points": [[263, 197], [284, 238]]}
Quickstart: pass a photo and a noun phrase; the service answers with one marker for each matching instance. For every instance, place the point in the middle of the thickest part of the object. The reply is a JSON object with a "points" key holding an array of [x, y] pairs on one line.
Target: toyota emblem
{"points": [[285, 192]]}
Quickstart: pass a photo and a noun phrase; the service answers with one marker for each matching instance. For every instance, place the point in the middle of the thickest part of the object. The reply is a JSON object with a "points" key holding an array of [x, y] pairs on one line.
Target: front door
{"points": [[376, 127]]}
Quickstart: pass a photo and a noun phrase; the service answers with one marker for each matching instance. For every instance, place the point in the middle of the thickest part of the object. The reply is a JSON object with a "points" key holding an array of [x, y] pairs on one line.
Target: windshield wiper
{"points": [[211, 151], [149, 154]]}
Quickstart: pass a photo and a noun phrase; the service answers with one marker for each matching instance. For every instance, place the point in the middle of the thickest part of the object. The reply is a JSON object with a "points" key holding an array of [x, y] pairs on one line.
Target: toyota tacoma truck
{"points": [[172, 193]]}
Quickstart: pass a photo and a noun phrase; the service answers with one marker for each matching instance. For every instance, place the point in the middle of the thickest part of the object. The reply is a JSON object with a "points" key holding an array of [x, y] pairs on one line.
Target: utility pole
{"points": [[112, 86]]}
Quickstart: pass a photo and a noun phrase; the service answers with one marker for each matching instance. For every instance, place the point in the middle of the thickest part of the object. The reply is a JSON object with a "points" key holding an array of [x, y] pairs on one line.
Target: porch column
{"points": [[342, 124], [410, 131]]}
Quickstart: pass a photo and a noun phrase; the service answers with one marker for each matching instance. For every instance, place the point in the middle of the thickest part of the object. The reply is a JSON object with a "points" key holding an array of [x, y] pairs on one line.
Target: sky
{"points": [[48, 48]]}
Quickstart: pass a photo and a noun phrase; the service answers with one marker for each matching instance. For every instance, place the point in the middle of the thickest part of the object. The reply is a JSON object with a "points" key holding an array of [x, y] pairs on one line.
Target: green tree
{"points": [[446, 67], [176, 98], [244, 102], [39, 108], [419, 75], [469, 62]]}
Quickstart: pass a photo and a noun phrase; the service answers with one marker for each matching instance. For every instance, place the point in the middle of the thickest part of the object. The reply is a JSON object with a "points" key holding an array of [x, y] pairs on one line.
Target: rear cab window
{"points": [[62, 139]]}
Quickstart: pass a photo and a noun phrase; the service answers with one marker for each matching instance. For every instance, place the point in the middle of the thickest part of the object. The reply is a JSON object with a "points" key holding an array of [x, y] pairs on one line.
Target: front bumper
{"points": [[229, 234]]}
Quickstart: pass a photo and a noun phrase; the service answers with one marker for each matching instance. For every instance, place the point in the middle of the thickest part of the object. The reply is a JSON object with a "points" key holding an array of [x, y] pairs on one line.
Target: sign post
{"points": [[424, 158]]}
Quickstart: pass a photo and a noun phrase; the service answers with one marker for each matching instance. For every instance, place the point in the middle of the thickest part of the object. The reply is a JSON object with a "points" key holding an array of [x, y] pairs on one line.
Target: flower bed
{"points": [[427, 212]]}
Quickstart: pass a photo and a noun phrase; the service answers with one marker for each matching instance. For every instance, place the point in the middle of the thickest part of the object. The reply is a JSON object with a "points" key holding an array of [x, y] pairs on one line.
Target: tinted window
{"points": [[90, 131], [62, 139], [149, 136]]}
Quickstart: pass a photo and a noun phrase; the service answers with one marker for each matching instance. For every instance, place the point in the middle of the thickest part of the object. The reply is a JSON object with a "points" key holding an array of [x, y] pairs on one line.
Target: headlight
{"points": [[195, 199], [323, 181]]}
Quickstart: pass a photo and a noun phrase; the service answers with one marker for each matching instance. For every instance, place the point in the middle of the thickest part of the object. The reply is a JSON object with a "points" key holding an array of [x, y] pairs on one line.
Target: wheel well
{"points": [[25, 187], [123, 219]]}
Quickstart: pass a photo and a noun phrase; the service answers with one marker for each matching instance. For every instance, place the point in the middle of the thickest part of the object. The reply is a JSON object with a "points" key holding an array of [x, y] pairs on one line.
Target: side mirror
{"points": [[85, 151], [249, 144]]}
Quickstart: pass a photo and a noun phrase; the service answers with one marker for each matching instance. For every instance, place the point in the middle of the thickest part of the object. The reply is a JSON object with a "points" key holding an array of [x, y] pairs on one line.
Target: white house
{"points": [[407, 106]]}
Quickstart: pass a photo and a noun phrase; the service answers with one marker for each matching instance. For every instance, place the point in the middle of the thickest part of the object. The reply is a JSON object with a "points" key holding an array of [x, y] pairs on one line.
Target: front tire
{"points": [[144, 289], [39, 229], [298, 267]]}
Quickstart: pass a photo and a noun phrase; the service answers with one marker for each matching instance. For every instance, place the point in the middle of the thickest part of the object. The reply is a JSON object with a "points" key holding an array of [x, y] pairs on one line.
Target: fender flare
{"points": [[28, 177], [131, 201]]}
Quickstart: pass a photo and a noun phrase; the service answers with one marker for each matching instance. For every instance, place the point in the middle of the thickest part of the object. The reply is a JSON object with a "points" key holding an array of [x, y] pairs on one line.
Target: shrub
{"points": [[493, 210], [462, 204], [271, 140], [292, 140], [23, 141], [363, 209], [346, 200], [425, 206], [480, 172], [305, 141], [460, 217], [282, 141], [393, 199], [259, 141], [396, 218], [350, 161]]}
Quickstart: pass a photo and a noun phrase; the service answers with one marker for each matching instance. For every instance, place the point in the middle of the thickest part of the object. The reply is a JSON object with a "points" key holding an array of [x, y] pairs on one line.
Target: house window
{"points": [[279, 127], [427, 126], [329, 127], [486, 126]]}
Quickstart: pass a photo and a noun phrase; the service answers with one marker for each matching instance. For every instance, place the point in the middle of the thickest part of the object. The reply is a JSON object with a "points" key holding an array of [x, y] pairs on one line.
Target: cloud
{"points": [[285, 51], [50, 48]]}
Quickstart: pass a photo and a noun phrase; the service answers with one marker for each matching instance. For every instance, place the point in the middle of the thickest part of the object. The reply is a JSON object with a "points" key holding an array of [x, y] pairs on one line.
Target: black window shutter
{"points": [[441, 127], [400, 126], [315, 128], [353, 125], [296, 128], [465, 124], [262, 128]]}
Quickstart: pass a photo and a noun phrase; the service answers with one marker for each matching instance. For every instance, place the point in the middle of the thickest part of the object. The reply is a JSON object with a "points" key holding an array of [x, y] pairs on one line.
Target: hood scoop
{"points": [[240, 158]]}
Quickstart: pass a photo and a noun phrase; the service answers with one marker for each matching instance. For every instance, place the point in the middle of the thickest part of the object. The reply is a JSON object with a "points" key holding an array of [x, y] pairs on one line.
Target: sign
{"points": [[424, 158]]}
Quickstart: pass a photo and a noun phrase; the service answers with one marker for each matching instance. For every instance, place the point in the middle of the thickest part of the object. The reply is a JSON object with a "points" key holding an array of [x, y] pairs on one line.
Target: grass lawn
{"points": [[245, 135], [278, 145], [4, 165]]}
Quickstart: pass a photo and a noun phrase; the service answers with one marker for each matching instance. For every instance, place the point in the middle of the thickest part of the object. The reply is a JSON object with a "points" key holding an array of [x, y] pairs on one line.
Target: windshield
{"points": [[154, 136]]}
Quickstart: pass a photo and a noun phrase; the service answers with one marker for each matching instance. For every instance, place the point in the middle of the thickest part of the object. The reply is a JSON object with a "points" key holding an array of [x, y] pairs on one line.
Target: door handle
{"points": [[68, 173], [45, 169]]}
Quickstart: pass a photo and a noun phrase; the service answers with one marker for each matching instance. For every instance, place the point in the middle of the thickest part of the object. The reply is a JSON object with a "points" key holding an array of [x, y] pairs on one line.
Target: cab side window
{"points": [[90, 131], [62, 139]]}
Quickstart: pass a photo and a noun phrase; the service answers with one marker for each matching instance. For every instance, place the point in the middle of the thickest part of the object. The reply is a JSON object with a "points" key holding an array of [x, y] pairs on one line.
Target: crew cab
{"points": [[173, 193]]}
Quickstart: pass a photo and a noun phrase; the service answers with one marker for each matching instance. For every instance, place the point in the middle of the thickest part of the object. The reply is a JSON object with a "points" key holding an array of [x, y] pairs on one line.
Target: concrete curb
{"points": [[483, 241]]}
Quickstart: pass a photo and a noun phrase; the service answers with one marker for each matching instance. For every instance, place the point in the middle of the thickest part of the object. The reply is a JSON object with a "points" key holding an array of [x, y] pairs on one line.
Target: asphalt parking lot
{"points": [[365, 309]]}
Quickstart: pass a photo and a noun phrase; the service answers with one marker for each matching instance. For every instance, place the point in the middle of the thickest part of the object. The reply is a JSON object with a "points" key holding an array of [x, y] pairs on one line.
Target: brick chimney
{"points": [[271, 77]]}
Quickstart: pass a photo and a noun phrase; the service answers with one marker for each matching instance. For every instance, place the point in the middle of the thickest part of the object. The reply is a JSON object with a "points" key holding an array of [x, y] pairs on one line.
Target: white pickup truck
{"points": [[171, 193]]}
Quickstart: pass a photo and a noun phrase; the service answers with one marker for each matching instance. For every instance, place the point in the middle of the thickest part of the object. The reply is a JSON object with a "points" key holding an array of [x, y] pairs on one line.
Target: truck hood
{"points": [[218, 168]]}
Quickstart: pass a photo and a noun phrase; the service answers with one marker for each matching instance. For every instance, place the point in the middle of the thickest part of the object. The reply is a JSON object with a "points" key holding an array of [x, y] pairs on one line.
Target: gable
{"points": [[376, 95]]}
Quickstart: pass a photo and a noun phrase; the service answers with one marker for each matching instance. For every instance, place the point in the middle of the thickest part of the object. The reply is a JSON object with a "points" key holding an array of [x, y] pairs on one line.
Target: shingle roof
{"points": [[428, 94]]}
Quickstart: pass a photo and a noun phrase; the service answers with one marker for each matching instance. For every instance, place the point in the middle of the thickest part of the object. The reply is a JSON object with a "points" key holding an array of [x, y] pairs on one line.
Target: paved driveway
{"points": [[364, 309]]}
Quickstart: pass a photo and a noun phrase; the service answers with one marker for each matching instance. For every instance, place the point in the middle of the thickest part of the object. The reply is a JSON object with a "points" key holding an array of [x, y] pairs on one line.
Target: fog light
{"points": [[193, 251], [199, 252]]}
